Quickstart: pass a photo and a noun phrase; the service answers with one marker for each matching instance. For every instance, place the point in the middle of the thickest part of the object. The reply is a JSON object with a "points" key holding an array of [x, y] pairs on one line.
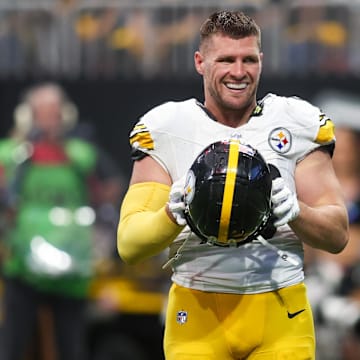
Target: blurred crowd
{"points": [[75, 38]]}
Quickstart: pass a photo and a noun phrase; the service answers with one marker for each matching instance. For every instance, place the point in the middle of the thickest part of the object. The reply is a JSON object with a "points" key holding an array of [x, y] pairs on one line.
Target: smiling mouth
{"points": [[234, 86]]}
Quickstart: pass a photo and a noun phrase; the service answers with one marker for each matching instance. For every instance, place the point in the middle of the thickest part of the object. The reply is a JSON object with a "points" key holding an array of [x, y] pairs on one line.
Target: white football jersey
{"points": [[284, 130]]}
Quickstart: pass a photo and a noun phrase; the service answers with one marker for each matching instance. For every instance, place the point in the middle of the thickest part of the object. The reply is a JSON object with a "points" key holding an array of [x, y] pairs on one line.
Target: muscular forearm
{"points": [[144, 228], [324, 227]]}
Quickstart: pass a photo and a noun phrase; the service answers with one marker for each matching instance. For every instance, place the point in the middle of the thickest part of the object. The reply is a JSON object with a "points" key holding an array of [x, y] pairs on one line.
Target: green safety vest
{"points": [[50, 245]]}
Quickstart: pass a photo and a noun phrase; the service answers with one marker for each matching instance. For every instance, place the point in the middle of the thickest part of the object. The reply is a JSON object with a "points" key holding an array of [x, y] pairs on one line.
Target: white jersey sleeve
{"points": [[163, 133], [310, 127]]}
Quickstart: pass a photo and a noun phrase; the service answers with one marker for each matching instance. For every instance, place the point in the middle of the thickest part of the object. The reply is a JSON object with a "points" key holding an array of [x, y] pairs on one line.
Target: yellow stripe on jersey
{"points": [[140, 138], [139, 127], [326, 132], [229, 189]]}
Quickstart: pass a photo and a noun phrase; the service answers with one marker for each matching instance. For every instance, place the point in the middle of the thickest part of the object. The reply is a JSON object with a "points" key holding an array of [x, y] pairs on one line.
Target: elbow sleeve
{"points": [[144, 228]]}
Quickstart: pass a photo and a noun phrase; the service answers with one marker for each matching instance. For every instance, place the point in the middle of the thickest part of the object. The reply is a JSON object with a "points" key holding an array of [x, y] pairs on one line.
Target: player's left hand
{"points": [[285, 206]]}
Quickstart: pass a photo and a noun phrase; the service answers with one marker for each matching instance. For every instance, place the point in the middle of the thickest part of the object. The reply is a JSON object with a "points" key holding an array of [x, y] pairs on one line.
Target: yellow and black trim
{"points": [[141, 141], [140, 138], [326, 133]]}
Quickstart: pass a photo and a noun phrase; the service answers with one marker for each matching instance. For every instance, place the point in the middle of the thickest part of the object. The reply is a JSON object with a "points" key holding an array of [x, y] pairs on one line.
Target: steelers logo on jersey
{"points": [[280, 140]]}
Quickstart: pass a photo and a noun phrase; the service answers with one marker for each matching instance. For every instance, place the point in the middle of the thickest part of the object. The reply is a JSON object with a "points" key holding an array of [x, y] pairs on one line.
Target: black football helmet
{"points": [[228, 193]]}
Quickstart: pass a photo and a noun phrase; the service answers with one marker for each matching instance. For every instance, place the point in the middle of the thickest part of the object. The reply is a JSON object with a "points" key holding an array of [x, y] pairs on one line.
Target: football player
{"points": [[246, 299]]}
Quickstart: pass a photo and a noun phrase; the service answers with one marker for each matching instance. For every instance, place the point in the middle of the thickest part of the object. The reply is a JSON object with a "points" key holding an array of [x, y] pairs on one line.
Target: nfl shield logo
{"points": [[181, 317]]}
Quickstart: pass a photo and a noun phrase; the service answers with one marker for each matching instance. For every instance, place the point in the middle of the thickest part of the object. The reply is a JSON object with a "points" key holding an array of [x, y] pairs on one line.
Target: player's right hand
{"points": [[176, 203]]}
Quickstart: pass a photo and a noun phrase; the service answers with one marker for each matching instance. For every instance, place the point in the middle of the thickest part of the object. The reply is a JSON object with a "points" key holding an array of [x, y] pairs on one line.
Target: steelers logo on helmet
{"points": [[227, 193], [189, 186]]}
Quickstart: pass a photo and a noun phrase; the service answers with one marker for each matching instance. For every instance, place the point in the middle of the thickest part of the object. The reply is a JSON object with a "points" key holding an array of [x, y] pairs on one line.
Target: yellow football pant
{"points": [[211, 326]]}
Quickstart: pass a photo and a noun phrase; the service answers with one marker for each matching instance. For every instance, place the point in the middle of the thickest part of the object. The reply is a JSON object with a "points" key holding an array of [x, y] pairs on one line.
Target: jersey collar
{"points": [[256, 112]]}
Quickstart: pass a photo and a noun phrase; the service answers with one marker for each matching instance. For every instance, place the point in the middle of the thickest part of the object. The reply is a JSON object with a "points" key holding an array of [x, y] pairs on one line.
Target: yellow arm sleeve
{"points": [[144, 228]]}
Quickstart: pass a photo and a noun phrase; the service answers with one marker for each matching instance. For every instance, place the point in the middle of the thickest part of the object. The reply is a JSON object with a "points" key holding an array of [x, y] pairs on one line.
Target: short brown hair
{"points": [[232, 23]]}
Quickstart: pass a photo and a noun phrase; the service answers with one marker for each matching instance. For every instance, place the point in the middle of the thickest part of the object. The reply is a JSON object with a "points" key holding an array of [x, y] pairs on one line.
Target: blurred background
{"points": [[116, 59]]}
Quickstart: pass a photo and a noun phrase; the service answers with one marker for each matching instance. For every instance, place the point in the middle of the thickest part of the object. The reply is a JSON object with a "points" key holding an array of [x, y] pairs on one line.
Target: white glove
{"points": [[285, 206], [176, 203]]}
